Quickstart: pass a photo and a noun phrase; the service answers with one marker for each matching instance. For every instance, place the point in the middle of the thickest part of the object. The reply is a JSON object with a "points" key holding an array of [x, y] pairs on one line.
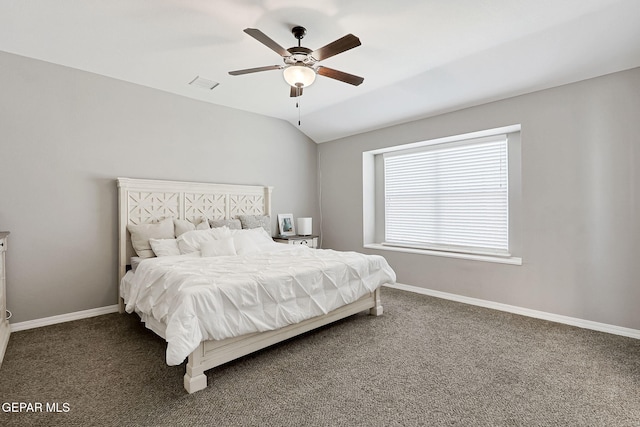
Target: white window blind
{"points": [[451, 196]]}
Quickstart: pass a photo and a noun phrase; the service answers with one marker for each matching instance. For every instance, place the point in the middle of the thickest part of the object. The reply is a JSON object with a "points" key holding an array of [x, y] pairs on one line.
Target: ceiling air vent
{"points": [[203, 83]]}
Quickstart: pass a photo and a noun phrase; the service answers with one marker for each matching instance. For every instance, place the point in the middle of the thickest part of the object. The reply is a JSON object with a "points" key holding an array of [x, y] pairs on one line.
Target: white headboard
{"points": [[143, 201]]}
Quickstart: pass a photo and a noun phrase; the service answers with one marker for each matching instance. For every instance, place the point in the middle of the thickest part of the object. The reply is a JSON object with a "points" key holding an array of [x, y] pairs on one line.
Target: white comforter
{"points": [[220, 297]]}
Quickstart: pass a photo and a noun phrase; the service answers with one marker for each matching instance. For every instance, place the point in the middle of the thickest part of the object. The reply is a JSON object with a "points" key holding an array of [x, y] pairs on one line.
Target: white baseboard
{"points": [[581, 323], [573, 321], [46, 321]]}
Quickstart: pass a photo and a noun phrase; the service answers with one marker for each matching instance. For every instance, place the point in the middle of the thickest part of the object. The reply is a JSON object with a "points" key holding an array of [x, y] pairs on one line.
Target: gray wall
{"points": [[580, 201], [65, 135]]}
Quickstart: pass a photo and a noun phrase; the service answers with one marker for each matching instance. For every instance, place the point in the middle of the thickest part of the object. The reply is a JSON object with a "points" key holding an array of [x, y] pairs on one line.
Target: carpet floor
{"points": [[425, 362]]}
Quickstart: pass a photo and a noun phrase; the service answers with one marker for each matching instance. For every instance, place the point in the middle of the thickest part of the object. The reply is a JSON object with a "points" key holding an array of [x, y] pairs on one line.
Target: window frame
{"points": [[374, 208]]}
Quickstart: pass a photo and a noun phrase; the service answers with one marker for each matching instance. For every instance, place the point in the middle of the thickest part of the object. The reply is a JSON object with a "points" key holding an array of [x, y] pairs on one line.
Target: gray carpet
{"points": [[426, 361]]}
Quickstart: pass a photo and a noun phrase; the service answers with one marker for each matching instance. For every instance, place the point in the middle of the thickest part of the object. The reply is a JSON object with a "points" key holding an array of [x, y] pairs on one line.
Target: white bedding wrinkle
{"points": [[214, 298]]}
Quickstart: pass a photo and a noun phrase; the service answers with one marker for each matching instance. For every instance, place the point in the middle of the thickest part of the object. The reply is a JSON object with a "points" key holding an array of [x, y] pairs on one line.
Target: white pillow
{"points": [[203, 224], [260, 236], [164, 247], [184, 225], [251, 240], [233, 224], [191, 241], [245, 243], [220, 247], [141, 233]]}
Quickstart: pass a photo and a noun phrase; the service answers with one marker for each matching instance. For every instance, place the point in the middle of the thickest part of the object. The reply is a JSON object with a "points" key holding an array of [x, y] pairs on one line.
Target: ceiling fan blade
{"points": [[295, 92], [340, 75], [267, 41], [255, 70], [345, 43]]}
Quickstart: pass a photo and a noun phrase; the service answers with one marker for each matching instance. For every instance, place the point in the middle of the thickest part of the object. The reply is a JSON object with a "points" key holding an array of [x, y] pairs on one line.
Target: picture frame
{"points": [[286, 226]]}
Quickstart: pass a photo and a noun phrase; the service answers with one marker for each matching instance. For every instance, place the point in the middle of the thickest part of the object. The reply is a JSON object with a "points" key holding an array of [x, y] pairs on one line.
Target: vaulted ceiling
{"points": [[418, 57]]}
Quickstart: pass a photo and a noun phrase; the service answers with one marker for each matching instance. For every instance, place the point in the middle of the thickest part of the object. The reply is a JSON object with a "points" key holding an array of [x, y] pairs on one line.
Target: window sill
{"points": [[487, 258]]}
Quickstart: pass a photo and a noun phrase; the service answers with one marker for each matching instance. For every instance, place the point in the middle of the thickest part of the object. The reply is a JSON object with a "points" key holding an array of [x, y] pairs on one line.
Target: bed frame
{"points": [[143, 201]]}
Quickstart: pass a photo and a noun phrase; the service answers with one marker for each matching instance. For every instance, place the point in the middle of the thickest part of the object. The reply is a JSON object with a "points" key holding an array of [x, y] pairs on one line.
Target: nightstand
{"points": [[311, 241]]}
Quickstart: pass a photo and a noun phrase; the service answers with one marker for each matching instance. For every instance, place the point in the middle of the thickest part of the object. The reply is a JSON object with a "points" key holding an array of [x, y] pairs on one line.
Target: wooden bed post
{"points": [[122, 239], [194, 378], [376, 310]]}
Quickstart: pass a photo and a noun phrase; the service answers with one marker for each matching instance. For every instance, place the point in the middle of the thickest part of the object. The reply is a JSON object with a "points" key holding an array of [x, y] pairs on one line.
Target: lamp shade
{"points": [[304, 226], [299, 75]]}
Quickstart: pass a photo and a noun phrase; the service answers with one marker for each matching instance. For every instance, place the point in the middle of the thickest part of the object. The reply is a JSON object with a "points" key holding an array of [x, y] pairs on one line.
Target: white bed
{"points": [[215, 309]]}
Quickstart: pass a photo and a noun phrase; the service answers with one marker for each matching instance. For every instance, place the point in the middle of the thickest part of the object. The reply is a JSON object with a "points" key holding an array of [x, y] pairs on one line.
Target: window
{"points": [[450, 196], [457, 196]]}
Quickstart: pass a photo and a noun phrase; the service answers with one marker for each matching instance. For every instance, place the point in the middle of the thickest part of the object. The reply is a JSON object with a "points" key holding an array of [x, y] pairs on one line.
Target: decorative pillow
{"points": [[184, 225], [191, 241], [220, 232], [164, 247], [220, 247], [245, 244], [203, 224], [255, 221], [233, 224], [141, 233], [252, 240], [259, 236]]}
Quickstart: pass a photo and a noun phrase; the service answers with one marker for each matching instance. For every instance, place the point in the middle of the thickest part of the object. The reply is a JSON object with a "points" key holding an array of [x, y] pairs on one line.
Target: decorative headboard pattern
{"points": [[142, 201]]}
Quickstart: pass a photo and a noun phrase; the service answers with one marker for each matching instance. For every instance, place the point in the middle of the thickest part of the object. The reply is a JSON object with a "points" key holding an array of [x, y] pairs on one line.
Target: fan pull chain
{"points": [[298, 105]]}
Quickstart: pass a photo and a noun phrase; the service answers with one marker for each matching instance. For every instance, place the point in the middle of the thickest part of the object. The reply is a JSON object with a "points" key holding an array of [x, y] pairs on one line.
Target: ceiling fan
{"points": [[301, 63]]}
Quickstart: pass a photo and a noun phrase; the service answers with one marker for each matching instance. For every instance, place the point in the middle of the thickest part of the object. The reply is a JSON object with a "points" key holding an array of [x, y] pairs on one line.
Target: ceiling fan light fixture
{"points": [[299, 75]]}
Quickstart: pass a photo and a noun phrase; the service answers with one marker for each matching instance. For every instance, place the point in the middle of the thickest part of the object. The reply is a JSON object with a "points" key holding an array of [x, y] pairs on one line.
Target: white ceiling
{"points": [[418, 57]]}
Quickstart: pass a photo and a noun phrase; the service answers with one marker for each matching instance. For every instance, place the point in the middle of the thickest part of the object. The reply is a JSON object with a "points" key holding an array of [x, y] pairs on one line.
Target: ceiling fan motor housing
{"points": [[299, 54]]}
